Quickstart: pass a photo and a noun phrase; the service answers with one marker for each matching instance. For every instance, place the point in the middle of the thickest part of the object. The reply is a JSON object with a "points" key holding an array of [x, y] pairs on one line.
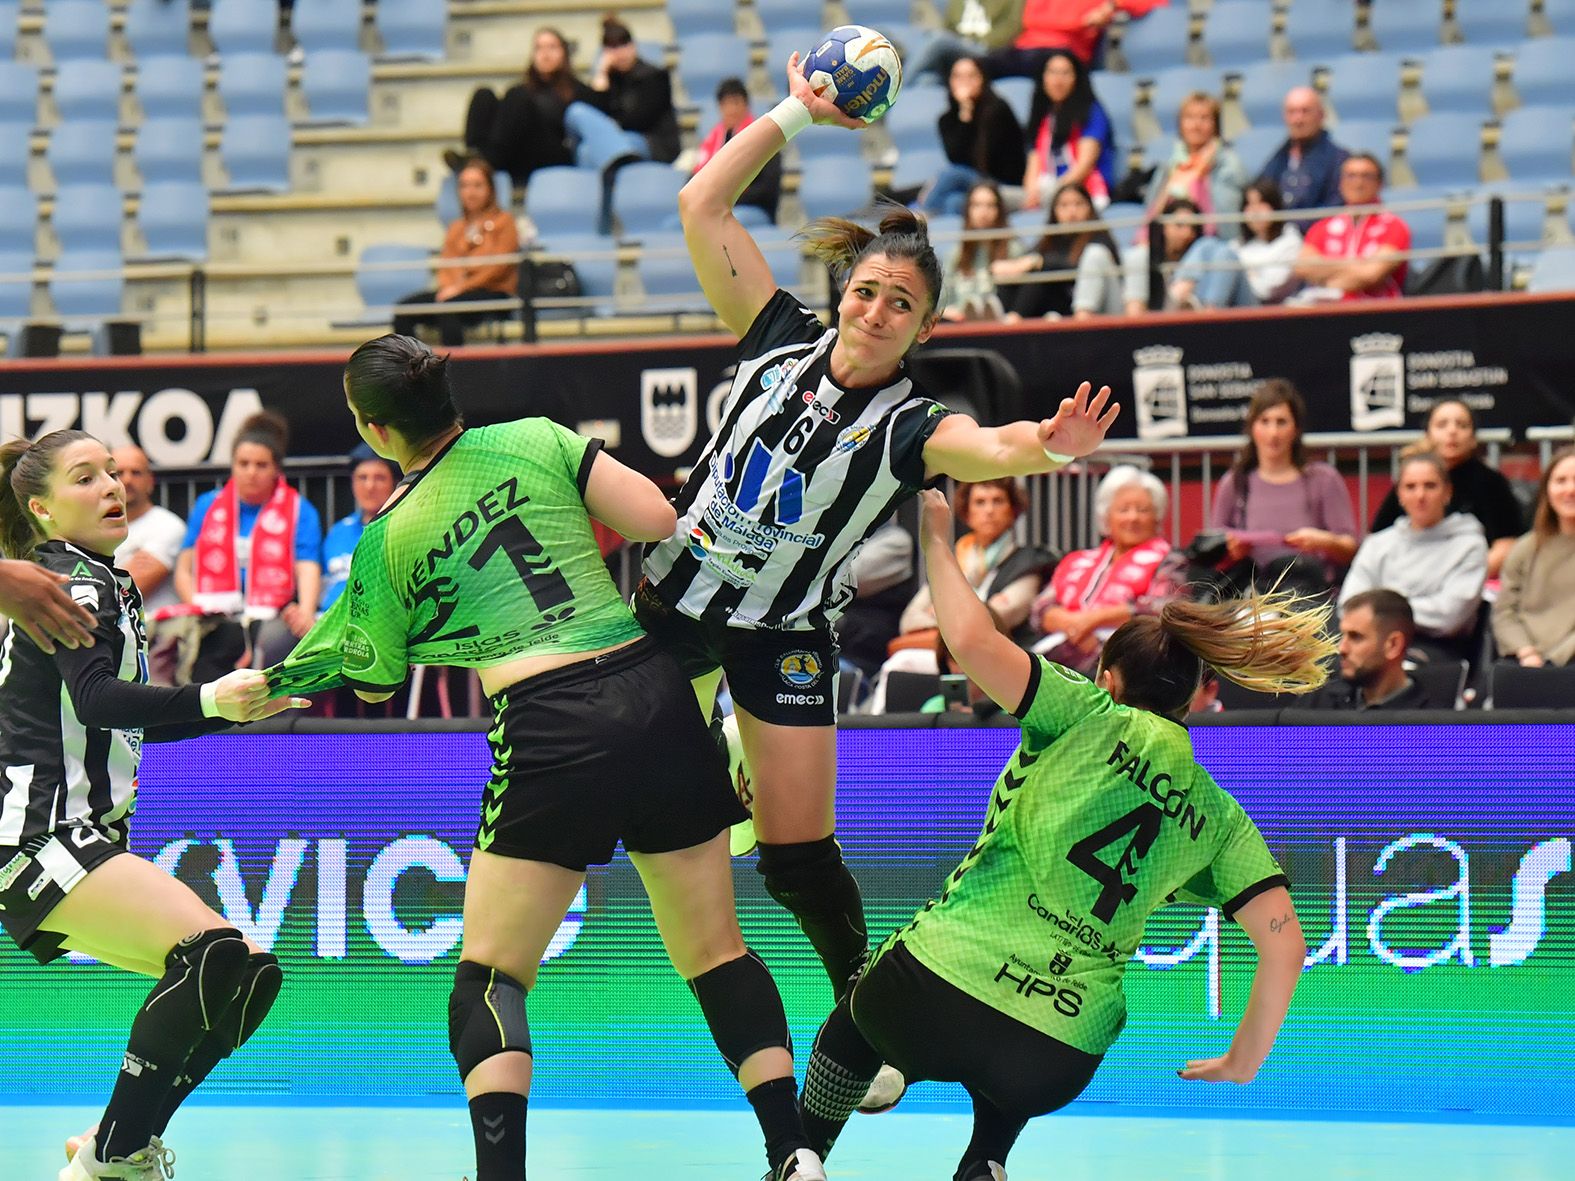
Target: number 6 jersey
{"points": [[1101, 818], [488, 555]]}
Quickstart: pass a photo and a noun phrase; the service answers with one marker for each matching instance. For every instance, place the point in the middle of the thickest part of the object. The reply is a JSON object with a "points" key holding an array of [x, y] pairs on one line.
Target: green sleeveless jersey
{"points": [[1101, 817], [487, 556]]}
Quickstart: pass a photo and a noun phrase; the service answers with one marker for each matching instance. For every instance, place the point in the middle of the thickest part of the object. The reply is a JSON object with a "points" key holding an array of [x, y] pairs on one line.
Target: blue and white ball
{"points": [[857, 69]]}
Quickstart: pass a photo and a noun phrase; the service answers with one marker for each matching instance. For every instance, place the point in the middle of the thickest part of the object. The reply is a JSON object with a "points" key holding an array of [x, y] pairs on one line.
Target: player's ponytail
{"points": [[399, 383], [25, 469], [841, 244], [1270, 641]]}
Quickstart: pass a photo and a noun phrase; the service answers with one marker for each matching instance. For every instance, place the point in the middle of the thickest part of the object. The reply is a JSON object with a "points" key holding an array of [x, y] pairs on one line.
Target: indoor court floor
{"points": [[433, 1144]]}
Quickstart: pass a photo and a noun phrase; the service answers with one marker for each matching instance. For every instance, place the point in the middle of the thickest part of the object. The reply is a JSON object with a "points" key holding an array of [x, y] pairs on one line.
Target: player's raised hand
{"points": [[1215, 1070], [1079, 426], [935, 520], [822, 110]]}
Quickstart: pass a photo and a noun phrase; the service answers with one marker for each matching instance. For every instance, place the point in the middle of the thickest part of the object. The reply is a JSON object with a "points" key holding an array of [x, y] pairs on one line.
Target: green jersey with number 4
{"points": [[487, 556], [1101, 817]]}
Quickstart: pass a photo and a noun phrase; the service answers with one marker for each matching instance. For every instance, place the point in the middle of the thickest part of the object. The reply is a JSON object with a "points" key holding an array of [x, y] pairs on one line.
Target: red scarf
{"points": [[270, 581], [1063, 161], [719, 135]]}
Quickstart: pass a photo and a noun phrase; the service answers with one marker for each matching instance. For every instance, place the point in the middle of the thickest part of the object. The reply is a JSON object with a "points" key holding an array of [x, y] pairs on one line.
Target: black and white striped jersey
{"points": [[72, 723], [799, 473]]}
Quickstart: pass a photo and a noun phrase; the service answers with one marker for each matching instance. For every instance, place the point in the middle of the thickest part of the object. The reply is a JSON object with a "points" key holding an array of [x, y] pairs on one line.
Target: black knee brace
{"points": [[205, 971], [486, 1016], [259, 988], [809, 879], [743, 1008]]}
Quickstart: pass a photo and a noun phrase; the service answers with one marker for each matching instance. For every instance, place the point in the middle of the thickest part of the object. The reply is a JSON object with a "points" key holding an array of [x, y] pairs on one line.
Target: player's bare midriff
{"points": [[522, 668]]}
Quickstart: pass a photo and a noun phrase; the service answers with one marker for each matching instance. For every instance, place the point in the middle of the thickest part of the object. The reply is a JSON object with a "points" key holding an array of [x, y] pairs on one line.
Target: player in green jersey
{"points": [[484, 557], [1010, 981]]}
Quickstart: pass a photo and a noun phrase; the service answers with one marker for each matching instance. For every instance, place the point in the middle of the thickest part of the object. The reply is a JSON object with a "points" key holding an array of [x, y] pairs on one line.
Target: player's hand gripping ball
{"points": [[857, 69]]}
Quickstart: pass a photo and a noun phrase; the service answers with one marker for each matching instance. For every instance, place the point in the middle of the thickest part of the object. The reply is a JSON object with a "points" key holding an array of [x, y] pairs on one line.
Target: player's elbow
{"points": [[653, 520]]}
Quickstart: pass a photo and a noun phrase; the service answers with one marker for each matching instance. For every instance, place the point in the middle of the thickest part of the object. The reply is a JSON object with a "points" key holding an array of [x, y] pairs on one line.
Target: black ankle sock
{"points": [[776, 1107], [497, 1120]]}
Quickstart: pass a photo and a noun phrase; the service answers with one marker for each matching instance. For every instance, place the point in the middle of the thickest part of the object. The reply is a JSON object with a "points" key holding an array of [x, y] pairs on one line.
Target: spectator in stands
{"points": [[481, 230], [1438, 562], [153, 533], [981, 136], [1095, 591], [630, 115], [1091, 251], [1184, 239], [1534, 614], [1283, 515], [372, 482], [1070, 141], [1200, 167], [976, 27], [1376, 631], [252, 554], [1359, 254], [732, 106], [1475, 488], [1266, 253], [1076, 26], [885, 576], [972, 700], [524, 130], [1307, 165], [968, 285]]}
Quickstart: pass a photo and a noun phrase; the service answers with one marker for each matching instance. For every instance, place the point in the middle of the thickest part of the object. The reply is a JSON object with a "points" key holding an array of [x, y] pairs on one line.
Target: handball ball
{"points": [[857, 69]]}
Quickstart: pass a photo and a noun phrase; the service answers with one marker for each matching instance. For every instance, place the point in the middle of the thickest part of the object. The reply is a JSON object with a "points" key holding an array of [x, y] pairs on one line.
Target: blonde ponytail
{"points": [[1269, 641]]}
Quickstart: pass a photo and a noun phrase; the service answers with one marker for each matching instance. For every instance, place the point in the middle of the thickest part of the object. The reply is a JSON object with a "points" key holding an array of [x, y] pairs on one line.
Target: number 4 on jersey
{"points": [[1143, 822]]}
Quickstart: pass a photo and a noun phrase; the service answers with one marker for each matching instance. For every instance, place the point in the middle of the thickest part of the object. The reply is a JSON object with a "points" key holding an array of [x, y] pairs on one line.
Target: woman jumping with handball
{"points": [[1010, 981], [73, 721]]}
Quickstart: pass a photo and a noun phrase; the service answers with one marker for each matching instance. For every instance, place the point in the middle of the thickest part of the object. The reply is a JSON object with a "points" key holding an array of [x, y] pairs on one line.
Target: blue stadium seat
{"points": [[1501, 25], [83, 152], [1159, 40], [89, 90], [1365, 86], [1560, 15], [170, 87], [327, 24], [243, 26], [1018, 93], [86, 286], [1117, 93], [884, 15], [15, 148], [1554, 270], [784, 256], [1427, 226], [917, 167], [913, 122], [1319, 31], [174, 220], [256, 152], [1255, 145], [1542, 71], [87, 217], [337, 85], [709, 57], [836, 192], [18, 219], [1407, 26], [447, 204], [169, 149], [252, 83], [783, 42], [596, 267], [1524, 218], [9, 11], [381, 284], [1172, 87], [18, 93], [1445, 150], [691, 18], [1263, 90], [644, 196], [1534, 143], [564, 201], [1374, 136], [16, 295], [776, 15], [413, 28], [668, 275], [158, 28], [1459, 78], [76, 30], [1237, 33]]}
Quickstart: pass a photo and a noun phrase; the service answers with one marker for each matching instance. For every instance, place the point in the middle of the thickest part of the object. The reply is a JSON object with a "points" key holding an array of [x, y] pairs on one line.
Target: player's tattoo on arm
{"points": [[730, 265], [1279, 924]]}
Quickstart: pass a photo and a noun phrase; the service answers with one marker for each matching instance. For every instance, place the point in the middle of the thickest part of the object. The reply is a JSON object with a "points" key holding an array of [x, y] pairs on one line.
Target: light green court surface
{"points": [[433, 1144]]}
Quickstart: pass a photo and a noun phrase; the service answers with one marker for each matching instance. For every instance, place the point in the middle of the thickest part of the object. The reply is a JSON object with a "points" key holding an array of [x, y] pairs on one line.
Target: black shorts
{"points": [[787, 678], [605, 750], [36, 877], [928, 1028]]}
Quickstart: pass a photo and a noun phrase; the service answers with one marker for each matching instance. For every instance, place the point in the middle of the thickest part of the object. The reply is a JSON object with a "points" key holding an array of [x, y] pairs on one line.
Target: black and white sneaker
{"points": [[886, 1091], [803, 1165]]}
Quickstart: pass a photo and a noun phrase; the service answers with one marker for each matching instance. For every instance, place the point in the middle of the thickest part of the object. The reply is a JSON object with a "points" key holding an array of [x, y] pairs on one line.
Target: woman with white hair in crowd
{"points": [[1094, 591]]}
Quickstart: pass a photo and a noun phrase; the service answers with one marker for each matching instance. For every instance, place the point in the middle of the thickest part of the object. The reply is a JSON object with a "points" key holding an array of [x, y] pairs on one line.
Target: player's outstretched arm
{"points": [[991, 660], [964, 450], [732, 272], [622, 499], [1270, 922]]}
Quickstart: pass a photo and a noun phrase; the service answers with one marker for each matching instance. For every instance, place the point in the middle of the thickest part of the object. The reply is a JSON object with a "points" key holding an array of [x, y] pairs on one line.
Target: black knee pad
{"points": [[810, 878], [486, 1016], [259, 989], [743, 1008], [206, 970]]}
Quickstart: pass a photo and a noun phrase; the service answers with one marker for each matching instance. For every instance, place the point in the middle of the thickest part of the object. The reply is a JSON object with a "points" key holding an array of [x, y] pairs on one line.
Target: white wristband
{"points": [[1058, 458], [791, 116], [210, 699]]}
